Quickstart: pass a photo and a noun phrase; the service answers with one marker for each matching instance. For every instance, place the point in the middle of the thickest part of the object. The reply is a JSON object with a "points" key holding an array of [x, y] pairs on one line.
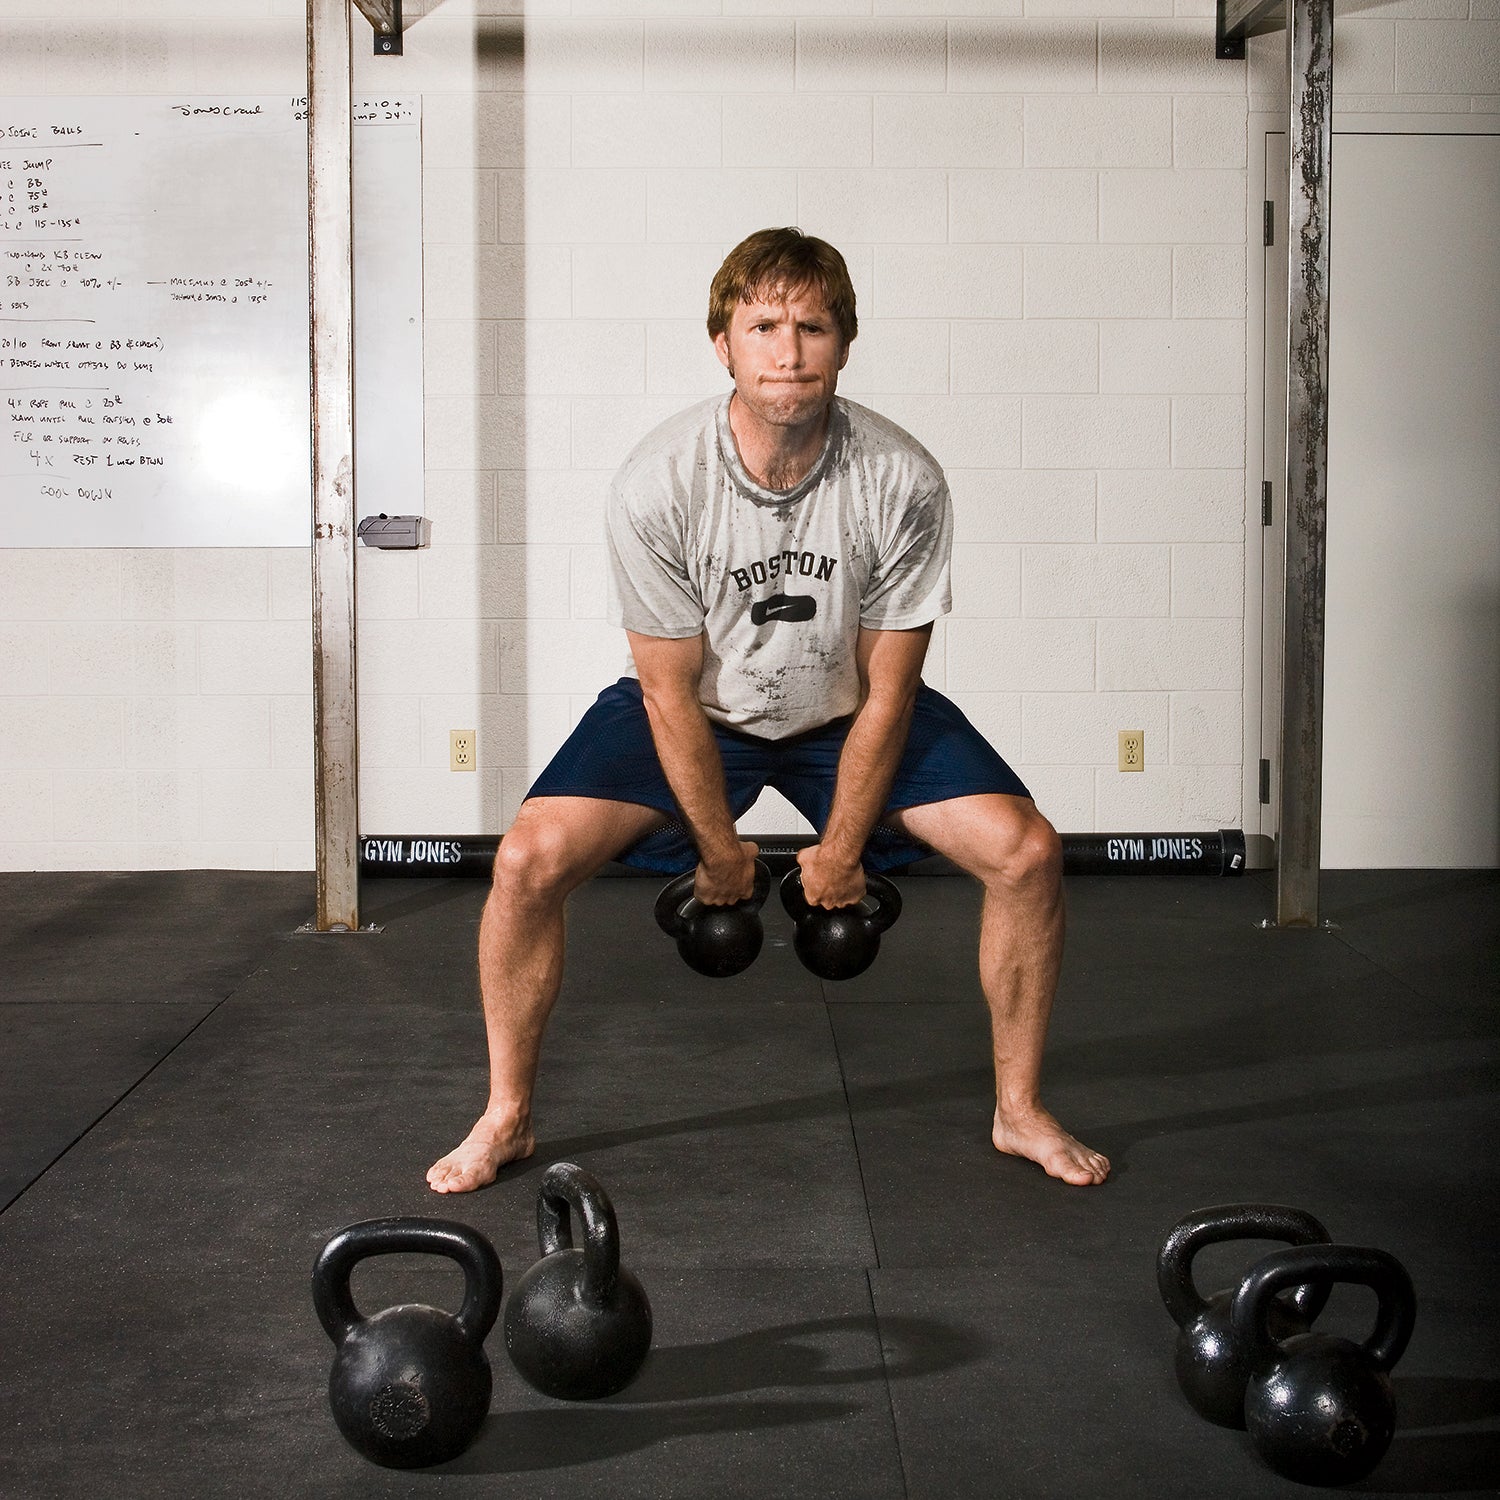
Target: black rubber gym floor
{"points": [[854, 1295]]}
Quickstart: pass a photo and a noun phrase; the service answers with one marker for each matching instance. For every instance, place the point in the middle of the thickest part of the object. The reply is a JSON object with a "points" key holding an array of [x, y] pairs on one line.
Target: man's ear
{"points": [[721, 348], [844, 357]]}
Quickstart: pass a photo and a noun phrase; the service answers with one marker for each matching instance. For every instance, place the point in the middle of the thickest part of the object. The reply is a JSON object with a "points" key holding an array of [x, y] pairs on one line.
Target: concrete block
{"points": [[497, 432], [903, 356], [442, 55], [1029, 206], [1364, 54], [458, 358], [1190, 655], [947, 130], [997, 716], [429, 656], [221, 583], [168, 806], [1124, 583], [1171, 208], [606, 428], [1172, 505], [181, 733], [271, 656], [24, 660], [1098, 281], [59, 584], [1064, 794], [648, 130], [165, 657], [514, 730], [572, 656], [772, 814], [572, 206], [436, 799], [390, 729], [563, 506], [593, 55], [25, 813], [458, 206], [1082, 729], [146, 583], [970, 432], [385, 584], [1208, 579], [570, 357], [1024, 357], [1096, 432], [57, 733], [259, 804], [1180, 355], [1164, 57], [1098, 130], [948, 7], [873, 207], [680, 360], [718, 206], [854, 57], [986, 580], [1209, 281], [721, 56], [94, 805], [947, 281], [1033, 55], [1208, 130], [1025, 505], [1020, 656], [831, 130], [460, 503], [503, 582], [1445, 57], [1207, 729], [93, 656], [588, 582], [495, 130], [1208, 432], [291, 579], [643, 281], [1111, 8], [495, 281], [1169, 797]]}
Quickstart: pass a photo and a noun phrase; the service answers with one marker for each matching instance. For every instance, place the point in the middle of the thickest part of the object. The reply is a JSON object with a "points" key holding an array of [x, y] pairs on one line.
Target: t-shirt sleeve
{"points": [[651, 590], [909, 584]]}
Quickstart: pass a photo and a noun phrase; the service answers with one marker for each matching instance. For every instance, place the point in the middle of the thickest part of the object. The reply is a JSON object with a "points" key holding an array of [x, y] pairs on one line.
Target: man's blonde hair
{"points": [[773, 264]]}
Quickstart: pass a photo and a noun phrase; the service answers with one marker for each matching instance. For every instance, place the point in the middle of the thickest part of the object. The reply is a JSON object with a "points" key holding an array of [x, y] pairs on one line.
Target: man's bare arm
{"points": [[669, 672], [890, 671]]}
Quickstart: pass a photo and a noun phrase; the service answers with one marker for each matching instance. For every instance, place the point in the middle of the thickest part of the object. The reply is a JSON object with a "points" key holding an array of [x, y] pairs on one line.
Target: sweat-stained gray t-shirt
{"points": [[778, 582]]}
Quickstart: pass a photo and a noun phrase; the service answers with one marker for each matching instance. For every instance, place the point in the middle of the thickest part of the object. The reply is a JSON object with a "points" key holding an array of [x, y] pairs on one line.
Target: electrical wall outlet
{"points": [[462, 749], [1132, 749]]}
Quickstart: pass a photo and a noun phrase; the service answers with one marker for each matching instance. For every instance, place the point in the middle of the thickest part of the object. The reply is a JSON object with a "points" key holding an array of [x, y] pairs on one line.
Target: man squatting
{"points": [[777, 557]]}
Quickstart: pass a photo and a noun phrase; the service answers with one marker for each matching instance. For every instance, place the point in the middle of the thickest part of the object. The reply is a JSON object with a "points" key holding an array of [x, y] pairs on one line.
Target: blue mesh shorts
{"points": [[611, 755]]}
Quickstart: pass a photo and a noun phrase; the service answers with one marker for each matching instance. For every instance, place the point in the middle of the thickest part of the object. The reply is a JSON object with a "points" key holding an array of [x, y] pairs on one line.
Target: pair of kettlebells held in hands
{"points": [[834, 943]]}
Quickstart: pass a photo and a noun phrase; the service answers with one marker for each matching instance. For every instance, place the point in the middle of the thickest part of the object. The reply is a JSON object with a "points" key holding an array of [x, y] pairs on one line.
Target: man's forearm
{"points": [[690, 760], [867, 766]]}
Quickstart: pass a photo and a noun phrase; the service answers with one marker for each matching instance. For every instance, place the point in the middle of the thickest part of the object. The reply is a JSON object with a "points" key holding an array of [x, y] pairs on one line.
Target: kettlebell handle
{"points": [[1233, 1221], [677, 905], [567, 1190], [483, 1279], [879, 906], [1395, 1315]]}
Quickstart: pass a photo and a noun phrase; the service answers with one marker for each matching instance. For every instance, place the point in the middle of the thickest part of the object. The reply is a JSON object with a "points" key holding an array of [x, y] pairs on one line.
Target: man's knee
{"points": [[536, 858], [1025, 849]]}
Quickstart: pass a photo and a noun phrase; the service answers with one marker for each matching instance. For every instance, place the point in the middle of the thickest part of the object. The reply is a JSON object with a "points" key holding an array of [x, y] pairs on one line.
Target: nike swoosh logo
{"points": [[783, 607]]}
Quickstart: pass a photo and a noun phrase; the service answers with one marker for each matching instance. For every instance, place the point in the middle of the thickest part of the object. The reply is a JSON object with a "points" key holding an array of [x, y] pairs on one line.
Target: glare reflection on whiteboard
{"points": [[253, 443]]}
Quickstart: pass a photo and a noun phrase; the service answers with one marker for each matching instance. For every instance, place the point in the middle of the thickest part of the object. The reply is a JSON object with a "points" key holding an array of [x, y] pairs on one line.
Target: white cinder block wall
{"points": [[1044, 205]]}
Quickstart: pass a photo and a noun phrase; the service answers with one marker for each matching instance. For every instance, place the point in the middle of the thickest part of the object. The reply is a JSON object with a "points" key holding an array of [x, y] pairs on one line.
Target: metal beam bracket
{"points": [[1234, 20], [385, 17]]}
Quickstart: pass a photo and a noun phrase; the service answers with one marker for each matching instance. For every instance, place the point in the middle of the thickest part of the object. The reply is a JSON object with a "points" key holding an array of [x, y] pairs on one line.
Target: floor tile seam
{"points": [[838, 1062], [1405, 984], [105, 1113], [890, 1397]]}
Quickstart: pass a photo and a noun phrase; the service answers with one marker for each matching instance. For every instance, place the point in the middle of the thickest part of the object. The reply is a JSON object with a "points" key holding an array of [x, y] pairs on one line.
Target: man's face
{"points": [[785, 355]]}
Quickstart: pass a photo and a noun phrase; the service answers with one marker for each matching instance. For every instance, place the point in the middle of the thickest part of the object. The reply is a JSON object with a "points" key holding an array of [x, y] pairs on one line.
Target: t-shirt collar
{"points": [[730, 453]]}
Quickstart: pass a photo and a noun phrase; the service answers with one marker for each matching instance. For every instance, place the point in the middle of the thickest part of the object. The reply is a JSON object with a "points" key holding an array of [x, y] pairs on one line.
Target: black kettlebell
{"points": [[841, 941], [578, 1324], [1211, 1365], [1319, 1408], [714, 940], [410, 1386]]}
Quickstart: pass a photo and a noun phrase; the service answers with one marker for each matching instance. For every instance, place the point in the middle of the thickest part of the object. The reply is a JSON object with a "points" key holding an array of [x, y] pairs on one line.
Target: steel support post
{"points": [[331, 299], [1310, 138]]}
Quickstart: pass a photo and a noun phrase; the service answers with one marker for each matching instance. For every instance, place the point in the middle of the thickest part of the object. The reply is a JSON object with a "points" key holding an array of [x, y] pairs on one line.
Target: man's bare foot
{"points": [[1039, 1138], [488, 1146]]}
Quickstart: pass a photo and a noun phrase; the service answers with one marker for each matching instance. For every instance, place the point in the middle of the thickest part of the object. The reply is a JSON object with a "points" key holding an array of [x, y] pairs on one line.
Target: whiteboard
{"points": [[154, 360]]}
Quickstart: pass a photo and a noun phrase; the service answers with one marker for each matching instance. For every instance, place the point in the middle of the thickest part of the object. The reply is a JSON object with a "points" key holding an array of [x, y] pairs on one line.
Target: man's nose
{"points": [[789, 349]]}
